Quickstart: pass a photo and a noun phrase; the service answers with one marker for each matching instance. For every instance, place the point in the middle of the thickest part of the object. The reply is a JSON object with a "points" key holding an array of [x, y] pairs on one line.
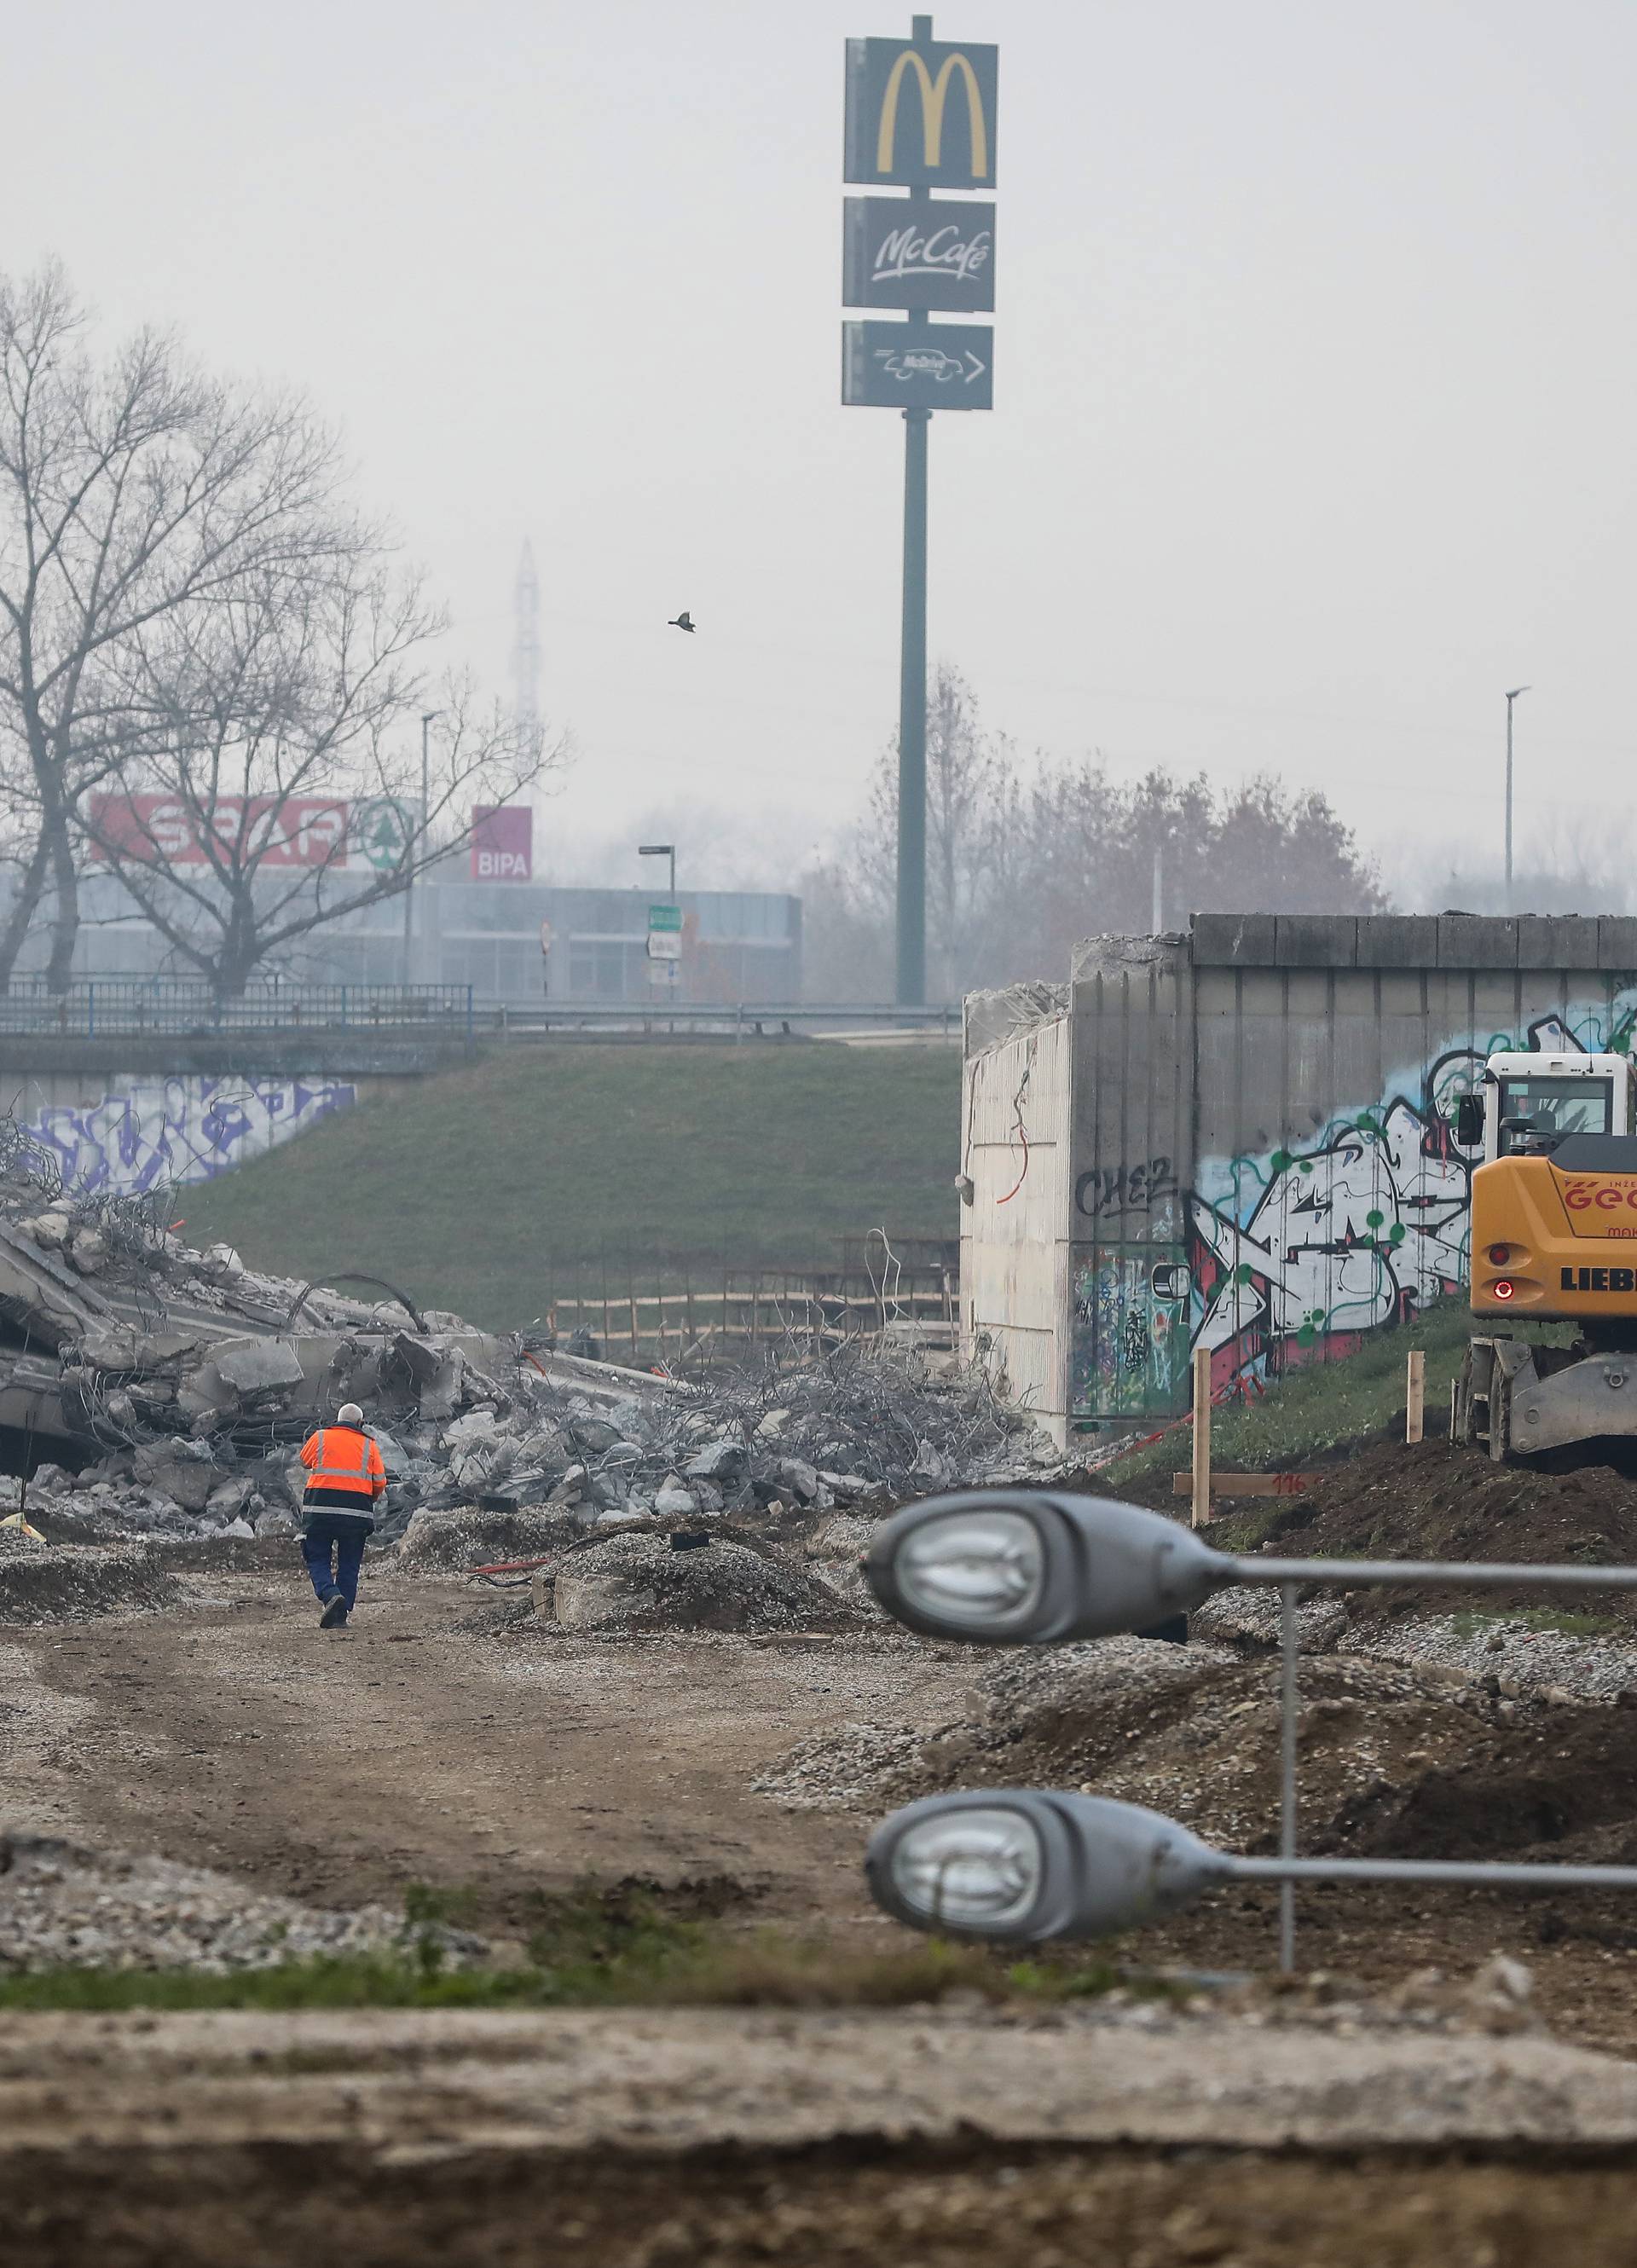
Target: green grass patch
{"points": [[539, 1172], [592, 1949], [1311, 1413]]}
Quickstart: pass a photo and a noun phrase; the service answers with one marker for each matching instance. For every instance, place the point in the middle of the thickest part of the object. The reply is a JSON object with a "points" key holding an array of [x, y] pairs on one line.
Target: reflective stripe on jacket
{"points": [[337, 1457]]}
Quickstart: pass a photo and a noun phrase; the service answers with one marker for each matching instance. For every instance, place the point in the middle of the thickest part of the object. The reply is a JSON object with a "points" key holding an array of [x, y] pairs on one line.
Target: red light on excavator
{"points": [[1502, 1290], [1499, 1254]]}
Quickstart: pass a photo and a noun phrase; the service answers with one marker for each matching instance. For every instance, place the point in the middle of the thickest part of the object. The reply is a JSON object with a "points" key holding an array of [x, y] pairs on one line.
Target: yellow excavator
{"points": [[1554, 1241]]}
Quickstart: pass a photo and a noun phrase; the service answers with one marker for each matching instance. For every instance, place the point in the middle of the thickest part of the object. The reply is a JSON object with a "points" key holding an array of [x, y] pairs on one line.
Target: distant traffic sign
{"points": [[665, 917], [918, 366], [918, 252]]}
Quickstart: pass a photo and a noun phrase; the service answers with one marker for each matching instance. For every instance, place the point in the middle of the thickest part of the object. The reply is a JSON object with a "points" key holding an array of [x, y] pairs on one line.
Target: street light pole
{"points": [[426, 791], [1511, 697], [662, 850]]}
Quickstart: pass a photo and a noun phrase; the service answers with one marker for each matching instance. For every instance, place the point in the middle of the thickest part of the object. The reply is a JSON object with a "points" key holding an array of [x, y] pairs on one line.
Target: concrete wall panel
{"points": [[1260, 1157], [1014, 1301]]}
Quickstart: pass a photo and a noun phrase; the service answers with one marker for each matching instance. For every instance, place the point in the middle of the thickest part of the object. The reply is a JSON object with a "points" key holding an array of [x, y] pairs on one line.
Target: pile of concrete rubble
{"points": [[170, 1390], [66, 1905]]}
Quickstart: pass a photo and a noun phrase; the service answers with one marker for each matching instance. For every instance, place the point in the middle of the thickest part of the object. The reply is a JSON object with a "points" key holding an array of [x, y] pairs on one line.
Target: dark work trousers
{"points": [[339, 1537]]}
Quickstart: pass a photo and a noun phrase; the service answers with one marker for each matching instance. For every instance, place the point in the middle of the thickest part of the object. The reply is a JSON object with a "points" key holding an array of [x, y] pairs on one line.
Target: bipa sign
{"points": [[503, 843]]}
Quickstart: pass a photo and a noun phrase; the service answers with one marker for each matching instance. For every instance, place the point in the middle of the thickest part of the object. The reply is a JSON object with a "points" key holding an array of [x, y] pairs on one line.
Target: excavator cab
{"points": [[1528, 1104], [1553, 1241]]}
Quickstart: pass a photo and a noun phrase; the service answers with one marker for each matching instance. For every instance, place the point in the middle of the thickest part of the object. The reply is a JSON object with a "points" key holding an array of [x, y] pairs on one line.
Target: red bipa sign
{"points": [[503, 843]]}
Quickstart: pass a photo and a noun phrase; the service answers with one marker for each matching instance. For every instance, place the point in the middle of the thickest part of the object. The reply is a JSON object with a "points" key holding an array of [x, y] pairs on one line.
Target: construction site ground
{"points": [[448, 1740]]}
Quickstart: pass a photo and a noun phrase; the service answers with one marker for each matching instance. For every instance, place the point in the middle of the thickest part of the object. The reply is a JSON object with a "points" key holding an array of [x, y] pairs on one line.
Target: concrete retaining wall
{"points": [[1259, 1121], [125, 1132], [123, 1116]]}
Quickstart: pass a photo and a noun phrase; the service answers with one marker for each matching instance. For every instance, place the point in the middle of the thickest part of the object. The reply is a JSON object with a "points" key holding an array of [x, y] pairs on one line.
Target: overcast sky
{"points": [[1314, 360]]}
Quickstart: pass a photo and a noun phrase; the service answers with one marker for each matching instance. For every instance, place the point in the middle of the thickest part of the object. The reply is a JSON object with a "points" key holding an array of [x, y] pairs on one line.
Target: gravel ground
{"points": [[838, 1770], [63, 1904], [691, 2079], [1543, 1663], [1527, 1659]]}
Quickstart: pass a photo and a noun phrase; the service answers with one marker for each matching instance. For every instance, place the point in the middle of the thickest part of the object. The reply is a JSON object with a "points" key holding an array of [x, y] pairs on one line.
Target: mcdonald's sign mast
{"points": [[920, 117]]}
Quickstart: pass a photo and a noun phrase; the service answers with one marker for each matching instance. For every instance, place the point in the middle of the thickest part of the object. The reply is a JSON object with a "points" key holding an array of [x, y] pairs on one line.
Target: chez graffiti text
{"points": [[1109, 1189]]}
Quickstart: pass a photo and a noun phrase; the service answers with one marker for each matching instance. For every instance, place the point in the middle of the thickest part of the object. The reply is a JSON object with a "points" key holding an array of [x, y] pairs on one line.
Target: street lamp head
{"points": [[1516, 689], [1020, 1865], [655, 850], [1025, 1567]]}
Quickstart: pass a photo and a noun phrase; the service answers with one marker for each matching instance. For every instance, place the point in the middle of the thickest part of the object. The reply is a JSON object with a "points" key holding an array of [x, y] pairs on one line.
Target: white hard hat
{"points": [[349, 1414]]}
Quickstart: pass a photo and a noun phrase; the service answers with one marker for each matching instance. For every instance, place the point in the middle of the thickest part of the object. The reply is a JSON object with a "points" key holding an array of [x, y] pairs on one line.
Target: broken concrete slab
{"points": [[187, 1480], [724, 1460], [255, 1366]]}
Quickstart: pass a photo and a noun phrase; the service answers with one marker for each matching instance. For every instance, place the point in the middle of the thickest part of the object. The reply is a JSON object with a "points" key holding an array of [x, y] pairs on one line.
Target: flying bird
{"points": [[683, 622]]}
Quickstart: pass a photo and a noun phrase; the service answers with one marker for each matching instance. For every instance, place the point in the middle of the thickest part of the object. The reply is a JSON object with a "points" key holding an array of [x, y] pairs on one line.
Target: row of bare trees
{"points": [[213, 664], [1026, 858]]}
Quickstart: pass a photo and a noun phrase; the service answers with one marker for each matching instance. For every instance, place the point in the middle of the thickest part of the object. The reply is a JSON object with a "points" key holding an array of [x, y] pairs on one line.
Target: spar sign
{"points": [[232, 831], [503, 843]]}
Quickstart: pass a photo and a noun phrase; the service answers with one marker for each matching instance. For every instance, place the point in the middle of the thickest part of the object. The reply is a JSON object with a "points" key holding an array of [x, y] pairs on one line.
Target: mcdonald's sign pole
{"points": [[912, 958], [920, 117]]}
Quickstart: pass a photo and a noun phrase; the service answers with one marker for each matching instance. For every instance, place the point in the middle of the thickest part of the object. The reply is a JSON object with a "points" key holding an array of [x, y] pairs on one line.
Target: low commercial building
{"points": [[736, 946]]}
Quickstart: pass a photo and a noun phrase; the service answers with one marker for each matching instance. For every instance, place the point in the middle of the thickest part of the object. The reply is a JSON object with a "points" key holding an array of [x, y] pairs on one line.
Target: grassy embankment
{"points": [[484, 1189]]}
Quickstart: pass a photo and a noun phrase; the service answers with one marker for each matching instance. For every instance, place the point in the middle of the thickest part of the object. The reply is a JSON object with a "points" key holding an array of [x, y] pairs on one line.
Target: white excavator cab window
{"points": [[1537, 1112]]}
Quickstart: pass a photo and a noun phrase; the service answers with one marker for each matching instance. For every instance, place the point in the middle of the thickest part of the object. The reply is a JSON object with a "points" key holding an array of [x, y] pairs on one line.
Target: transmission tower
{"points": [[525, 649]]}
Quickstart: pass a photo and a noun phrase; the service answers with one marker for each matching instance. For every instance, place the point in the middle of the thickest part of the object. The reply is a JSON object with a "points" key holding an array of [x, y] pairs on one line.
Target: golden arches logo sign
{"points": [[933, 92], [921, 115]]}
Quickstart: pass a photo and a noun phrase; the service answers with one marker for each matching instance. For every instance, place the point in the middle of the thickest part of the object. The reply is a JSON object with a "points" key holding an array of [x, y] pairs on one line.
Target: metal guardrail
{"points": [[126, 1006], [735, 1020], [105, 1006]]}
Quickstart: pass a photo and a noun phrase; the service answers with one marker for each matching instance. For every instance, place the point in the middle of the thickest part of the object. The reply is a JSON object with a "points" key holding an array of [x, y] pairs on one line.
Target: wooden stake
{"points": [[1415, 1395], [1200, 1516]]}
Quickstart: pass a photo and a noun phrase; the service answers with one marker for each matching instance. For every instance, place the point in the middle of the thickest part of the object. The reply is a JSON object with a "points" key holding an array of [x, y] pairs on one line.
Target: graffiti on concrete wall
{"points": [[1299, 1252], [1128, 1347], [181, 1129], [1294, 1255]]}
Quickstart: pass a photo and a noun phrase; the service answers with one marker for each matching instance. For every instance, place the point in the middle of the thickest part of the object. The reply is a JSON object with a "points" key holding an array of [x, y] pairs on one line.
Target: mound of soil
{"points": [[645, 1583], [450, 1543], [74, 1582], [1432, 1501], [1395, 1761]]}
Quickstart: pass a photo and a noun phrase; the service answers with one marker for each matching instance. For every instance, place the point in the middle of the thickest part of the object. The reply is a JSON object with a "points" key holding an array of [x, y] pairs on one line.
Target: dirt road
{"points": [[727, 2137], [445, 1741], [425, 1745]]}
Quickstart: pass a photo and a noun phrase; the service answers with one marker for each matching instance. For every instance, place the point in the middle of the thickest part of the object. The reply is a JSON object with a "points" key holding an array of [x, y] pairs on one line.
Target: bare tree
{"points": [[130, 488], [1023, 863], [973, 833], [270, 780]]}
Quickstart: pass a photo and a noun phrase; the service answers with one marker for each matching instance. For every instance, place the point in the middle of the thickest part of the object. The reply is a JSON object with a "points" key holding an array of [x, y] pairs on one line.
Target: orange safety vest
{"points": [[337, 1457]]}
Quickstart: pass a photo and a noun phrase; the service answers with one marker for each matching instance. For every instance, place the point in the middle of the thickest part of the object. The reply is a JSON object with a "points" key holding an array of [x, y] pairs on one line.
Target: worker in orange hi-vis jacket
{"points": [[345, 1476]]}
